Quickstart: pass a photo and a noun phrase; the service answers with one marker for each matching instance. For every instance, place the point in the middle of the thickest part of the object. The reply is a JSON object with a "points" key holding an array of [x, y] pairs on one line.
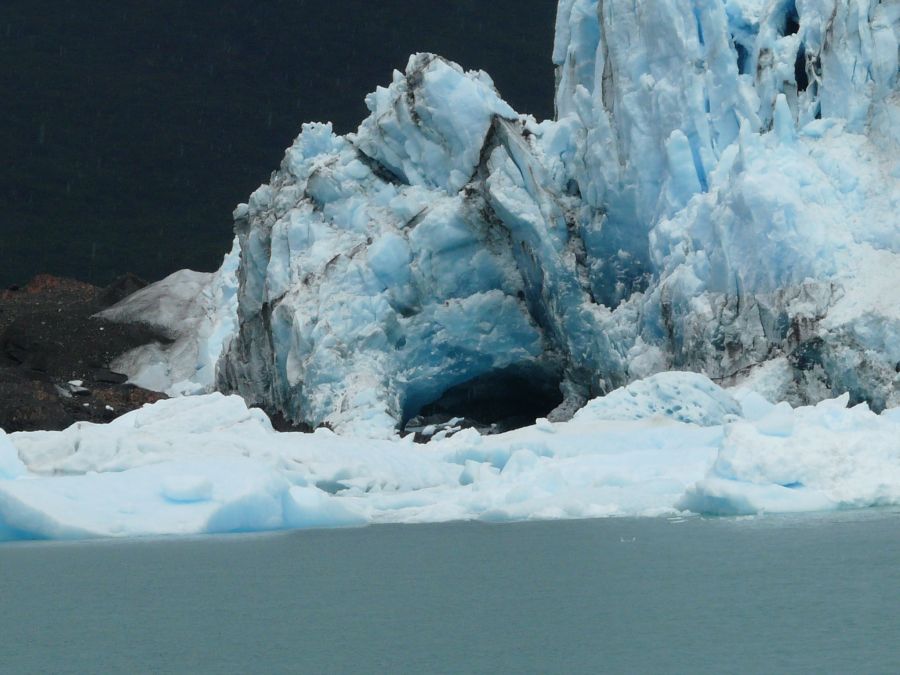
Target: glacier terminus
{"points": [[690, 277]]}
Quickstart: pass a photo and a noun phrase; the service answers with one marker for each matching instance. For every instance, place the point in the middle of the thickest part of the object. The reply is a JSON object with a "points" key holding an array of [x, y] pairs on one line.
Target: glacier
{"points": [[718, 194]]}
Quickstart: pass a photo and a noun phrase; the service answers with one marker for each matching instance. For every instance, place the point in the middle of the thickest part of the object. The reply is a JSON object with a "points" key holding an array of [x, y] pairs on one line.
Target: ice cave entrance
{"points": [[497, 401]]}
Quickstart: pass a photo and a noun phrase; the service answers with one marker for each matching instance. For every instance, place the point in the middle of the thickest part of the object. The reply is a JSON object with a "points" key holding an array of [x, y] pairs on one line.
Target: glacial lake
{"points": [[772, 594]]}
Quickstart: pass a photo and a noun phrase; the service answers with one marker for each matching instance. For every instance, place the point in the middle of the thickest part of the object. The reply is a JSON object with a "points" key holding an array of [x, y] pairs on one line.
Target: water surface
{"points": [[804, 594]]}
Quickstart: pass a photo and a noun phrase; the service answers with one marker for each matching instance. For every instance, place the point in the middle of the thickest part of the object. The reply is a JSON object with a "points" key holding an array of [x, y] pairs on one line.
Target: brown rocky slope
{"points": [[55, 356]]}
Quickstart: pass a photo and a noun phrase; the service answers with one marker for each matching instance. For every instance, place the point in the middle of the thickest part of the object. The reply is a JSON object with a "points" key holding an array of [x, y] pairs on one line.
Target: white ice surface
{"points": [[672, 442], [198, 312]]}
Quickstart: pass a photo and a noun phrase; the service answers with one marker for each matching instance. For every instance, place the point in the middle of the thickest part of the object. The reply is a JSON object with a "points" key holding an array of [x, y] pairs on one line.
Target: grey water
{"points": [[810, 594]]}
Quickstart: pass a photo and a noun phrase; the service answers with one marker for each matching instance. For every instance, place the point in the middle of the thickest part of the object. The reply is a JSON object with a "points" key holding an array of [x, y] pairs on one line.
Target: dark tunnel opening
{"points": [[791, 21], [743, 57], [800, 75], [498, 401]]}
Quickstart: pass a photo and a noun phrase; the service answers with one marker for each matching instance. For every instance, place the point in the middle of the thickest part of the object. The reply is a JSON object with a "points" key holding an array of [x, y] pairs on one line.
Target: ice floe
{"points": [[670, 443]]}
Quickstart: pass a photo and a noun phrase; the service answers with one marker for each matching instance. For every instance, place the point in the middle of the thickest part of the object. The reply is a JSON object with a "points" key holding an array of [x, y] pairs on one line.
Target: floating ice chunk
{"points": [[163, 431], [719, 497], [246, 496], [685, 397], [306, 507], [804, 459]]}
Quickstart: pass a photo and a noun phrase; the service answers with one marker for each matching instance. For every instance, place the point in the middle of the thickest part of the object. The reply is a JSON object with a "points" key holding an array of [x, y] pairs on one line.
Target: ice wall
{"points": [[746, 153], [429, 249], [719, 193]]}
